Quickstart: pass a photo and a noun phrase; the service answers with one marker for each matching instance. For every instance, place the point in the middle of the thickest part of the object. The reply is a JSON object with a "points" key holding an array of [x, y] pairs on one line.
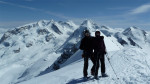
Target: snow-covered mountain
{"points": [[33, 43], [131, 36], [46, 52]]}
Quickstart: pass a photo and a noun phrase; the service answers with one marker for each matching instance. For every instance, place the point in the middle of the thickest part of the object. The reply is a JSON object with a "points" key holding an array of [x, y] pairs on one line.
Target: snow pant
{"points": [[99, 57], [87, 55]]}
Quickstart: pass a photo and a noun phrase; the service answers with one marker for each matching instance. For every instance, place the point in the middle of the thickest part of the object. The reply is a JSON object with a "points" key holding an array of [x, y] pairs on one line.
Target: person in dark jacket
{"points": [[99, 52], [87, 47]]}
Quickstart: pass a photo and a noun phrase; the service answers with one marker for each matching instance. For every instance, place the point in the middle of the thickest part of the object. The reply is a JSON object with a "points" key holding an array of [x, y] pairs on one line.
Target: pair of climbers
{"points": [[96, 44]]}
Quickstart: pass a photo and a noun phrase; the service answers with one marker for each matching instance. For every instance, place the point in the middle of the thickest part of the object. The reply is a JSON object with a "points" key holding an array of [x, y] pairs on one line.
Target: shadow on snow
{"points": [[79, 80]]}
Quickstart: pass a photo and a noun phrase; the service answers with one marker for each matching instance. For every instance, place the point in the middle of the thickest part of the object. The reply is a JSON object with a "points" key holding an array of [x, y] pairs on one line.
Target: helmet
{"points": [[86, 31], [97, 33]]}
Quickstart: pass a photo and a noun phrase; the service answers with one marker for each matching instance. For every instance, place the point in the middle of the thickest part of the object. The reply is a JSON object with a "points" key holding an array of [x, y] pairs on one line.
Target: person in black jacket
{"points": [[87, 47], [99, 52]]}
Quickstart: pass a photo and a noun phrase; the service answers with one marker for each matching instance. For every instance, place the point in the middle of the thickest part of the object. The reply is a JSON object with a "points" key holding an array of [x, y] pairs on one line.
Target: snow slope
{"points": [[131, 68]]}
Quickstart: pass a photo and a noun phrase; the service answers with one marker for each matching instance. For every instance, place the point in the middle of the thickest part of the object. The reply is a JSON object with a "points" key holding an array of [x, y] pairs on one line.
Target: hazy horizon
{"points": [[113, 13]]}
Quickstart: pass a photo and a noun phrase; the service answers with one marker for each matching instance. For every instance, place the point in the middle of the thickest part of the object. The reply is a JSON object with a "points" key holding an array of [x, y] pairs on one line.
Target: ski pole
{"points": [[112, 67]]}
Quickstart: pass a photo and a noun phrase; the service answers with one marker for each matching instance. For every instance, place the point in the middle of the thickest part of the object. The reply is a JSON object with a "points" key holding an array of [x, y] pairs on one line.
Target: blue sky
{"points": [[113, 13]]}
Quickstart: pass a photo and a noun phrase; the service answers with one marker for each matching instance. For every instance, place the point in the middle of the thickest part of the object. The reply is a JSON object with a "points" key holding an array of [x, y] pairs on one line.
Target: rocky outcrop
{"points": [[56, 29], [64, 56], [29, 44], [16, 51], [42, 31], [48, 37]]}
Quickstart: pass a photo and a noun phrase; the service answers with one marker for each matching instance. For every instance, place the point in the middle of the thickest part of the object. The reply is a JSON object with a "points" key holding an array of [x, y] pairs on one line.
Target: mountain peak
{"points": [[136, 34], [52, 21], [133, 28], [87, 22], [130, 29], [42, 23]]}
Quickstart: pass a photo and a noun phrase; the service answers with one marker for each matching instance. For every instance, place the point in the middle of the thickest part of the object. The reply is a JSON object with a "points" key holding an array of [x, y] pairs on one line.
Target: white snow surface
{"points": [[130, 64], [26, 52]]}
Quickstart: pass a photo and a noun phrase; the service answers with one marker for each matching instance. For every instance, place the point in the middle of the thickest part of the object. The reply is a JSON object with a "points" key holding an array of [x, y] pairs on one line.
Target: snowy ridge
{"points": [[34, 51], [132, 69], [2, 31]]}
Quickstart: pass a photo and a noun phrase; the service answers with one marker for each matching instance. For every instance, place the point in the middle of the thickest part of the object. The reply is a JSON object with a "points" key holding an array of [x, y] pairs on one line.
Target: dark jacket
{"points": [[87, 44], [99, 45]]}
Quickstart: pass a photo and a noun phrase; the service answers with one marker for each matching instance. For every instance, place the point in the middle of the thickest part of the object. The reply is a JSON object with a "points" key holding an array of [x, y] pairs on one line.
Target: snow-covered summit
{"points": [[134, 31], [43, 23], [89, 24], [136, 34]]}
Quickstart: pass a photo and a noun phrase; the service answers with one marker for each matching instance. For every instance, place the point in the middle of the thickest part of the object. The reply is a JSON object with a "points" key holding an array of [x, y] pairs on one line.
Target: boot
{"points": [[104, 75], [85, 78], [96, 77]]}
